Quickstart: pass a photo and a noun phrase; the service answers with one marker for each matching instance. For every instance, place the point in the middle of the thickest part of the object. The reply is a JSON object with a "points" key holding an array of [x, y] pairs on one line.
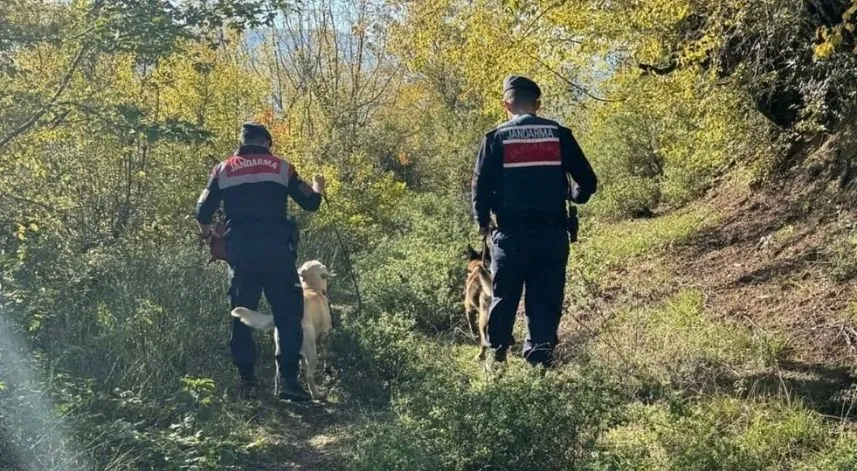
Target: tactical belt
{"points": [[531, 220]]}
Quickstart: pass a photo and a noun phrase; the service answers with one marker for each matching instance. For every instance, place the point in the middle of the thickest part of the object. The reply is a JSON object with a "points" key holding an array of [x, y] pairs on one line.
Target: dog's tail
{"points": [[254, 319]]}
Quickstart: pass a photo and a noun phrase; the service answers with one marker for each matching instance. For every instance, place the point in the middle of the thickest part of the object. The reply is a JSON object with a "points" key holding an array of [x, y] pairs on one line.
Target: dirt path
{"points": [[292, 436], [300, 437]]}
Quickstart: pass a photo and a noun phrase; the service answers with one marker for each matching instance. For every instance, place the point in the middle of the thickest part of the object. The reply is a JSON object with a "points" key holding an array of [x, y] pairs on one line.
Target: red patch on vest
{"points": [[527, 154]]}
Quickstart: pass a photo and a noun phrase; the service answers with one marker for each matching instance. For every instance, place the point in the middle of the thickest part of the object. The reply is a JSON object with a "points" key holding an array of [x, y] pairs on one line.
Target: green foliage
{"points": [[120, 338], [627, 197], [113, 113], [200, 389], [668, 140], [417, 271], [675, 344], [717, 434], [842, 253], [604, 247], [376, 356], [520, 421], [841, 456]]}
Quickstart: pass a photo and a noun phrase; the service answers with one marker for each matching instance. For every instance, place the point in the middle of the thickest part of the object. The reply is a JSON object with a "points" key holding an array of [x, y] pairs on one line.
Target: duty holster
{"points": [[217, 239], [294, 236], [572, 223]]}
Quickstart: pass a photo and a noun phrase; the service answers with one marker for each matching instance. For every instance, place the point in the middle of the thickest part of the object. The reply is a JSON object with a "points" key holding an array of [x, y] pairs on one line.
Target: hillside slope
{"points": [[775, 265]]}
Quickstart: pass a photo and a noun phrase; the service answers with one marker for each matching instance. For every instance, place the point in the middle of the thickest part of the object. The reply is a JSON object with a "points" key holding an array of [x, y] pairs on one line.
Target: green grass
{"points": [[606, 247], [839, 454], [615, 244], [717, 433], [446, 414], [677, 344], [841, 254], [519, 420]]}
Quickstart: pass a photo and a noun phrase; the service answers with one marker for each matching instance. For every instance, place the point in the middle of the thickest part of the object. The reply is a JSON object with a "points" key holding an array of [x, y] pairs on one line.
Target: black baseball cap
{"points": [[521, 83]]}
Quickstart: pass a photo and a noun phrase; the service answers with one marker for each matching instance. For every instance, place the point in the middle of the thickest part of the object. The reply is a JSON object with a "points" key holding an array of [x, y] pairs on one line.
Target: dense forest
{"points": [[711, 305]]}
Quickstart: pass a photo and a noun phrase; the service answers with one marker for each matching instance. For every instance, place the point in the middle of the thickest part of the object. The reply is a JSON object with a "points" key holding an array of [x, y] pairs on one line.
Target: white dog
{"points": [[316, 323]]}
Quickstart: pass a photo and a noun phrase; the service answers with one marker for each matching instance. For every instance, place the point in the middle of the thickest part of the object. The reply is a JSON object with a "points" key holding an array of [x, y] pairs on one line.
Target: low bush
{"points": [[841, 455], [519, 421], [375, 356], [628, 197], [714, 434], [418, 272]]}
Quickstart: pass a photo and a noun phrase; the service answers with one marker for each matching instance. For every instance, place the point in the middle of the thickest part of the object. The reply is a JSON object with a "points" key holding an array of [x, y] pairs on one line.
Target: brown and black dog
{"points": [[478, 292]]}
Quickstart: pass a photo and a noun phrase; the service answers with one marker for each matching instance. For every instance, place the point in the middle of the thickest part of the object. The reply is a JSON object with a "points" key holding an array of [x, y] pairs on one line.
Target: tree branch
{"points": [[573, 85], [658, 70], [46, 207], [29, 123]]}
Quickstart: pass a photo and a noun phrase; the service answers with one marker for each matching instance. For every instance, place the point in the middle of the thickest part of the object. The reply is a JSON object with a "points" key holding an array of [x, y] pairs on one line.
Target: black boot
{"points": [[287, 386], [290, 389], [248, 388], [247, 384]]}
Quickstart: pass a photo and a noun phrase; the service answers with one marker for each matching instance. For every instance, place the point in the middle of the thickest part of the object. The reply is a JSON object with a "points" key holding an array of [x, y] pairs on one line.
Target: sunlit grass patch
{"points": [[840, 455], [719, 433], [841, 254], [676, 343], [619, 241], [609, 246]]}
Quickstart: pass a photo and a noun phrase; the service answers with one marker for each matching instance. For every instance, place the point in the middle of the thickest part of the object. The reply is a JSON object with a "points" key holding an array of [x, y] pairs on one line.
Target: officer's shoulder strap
{"points": [[549, 122], [218, 169], [565, 130], [289, 170]]}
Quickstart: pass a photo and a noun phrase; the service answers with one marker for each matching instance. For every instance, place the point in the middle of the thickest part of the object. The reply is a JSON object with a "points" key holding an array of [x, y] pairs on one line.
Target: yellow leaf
{"points": [[823, 51]]}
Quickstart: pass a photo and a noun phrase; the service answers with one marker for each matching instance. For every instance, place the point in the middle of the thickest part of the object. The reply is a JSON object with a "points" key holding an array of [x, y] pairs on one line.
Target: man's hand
{"points": [[205, 231], [318, 184], [575, 195]]}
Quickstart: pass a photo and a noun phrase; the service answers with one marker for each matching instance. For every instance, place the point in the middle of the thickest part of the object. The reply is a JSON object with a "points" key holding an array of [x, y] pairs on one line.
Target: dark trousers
{"points": [[535, 258], [257, 267]]}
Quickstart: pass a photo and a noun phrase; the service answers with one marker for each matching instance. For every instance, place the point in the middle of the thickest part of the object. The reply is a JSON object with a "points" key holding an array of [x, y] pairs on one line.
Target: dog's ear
{"points": [[474, 255]]}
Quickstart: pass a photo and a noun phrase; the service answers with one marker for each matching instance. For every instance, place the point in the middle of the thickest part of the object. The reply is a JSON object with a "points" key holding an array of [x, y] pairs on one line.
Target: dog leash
{"points": [[484, 250], [347, 256]]}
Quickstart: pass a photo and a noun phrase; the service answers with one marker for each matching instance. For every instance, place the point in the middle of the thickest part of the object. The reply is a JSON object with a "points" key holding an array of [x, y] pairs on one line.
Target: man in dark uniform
{"points": [[522, 178], [254, 186]]}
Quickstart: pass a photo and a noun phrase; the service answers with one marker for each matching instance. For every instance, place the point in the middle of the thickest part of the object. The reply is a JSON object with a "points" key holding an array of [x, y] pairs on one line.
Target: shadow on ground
{"points": [[822, 388]]}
